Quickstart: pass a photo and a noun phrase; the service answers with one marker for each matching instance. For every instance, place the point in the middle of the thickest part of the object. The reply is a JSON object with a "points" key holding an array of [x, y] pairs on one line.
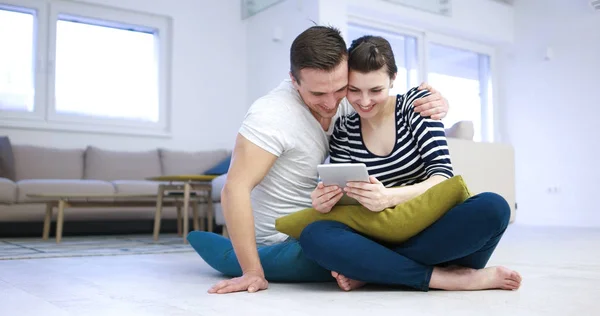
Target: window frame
{"points": [[399, 29], [489, 126], [489, 112], [45, 115], [40, 13]]}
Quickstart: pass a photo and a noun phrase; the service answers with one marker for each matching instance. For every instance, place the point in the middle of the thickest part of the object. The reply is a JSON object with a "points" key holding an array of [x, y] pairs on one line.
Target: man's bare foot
{"points": [[467, 279], [345, 283]]}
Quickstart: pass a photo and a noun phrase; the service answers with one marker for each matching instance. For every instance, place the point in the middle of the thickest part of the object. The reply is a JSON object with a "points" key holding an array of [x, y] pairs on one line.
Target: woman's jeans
{"points": [[465, 236]]}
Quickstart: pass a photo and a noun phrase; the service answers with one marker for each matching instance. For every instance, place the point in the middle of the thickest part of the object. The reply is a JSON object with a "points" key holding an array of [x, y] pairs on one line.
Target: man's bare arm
{"points": [[249, 165]]}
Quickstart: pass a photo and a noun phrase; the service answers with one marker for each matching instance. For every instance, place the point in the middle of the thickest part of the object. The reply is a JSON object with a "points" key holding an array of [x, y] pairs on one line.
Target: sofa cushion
{"points": [[461, 130], [219, 216], [44, 186], [136, 186], [33, 162], [217, 185], [8, 191], [7, 159], [187, 162], [221, 168], [108, 165]]}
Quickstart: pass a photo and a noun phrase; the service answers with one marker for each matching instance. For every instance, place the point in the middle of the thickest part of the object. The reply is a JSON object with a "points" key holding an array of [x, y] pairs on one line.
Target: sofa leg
{"points": [[60, 220], [47, 220]]}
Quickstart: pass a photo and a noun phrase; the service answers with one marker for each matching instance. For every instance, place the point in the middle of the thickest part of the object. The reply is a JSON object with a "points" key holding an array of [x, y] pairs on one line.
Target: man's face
{"points": [[323, 91]]}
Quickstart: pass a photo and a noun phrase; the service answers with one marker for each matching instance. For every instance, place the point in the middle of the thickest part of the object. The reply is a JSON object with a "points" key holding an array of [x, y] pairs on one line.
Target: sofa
{"points": [[93, 170], [484, 167]]}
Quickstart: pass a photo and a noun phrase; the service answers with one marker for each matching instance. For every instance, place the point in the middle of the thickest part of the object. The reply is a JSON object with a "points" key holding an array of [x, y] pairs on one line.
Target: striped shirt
{"points": [[420, 152]]}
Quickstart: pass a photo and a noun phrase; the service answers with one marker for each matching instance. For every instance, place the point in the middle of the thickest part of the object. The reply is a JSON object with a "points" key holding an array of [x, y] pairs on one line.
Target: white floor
{"points": [[560, 267]]}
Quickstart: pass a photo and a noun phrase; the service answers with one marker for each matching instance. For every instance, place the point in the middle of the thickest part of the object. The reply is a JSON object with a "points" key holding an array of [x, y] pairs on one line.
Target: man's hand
{"points": [[325, 197], [251, 282], [373, 195], [433, 105]]}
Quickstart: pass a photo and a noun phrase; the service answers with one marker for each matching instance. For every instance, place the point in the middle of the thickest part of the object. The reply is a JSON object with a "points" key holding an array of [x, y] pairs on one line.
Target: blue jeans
{"points": [[282, 262], [466, 236]]}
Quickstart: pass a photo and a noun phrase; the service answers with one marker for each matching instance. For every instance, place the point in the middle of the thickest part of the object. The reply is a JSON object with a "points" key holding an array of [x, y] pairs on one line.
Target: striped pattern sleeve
{"points": [[339, 150], [430, 137]]}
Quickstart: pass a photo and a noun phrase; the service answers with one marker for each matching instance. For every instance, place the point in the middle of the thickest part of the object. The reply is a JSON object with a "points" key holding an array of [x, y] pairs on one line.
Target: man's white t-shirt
{"points": [[283, 125]]}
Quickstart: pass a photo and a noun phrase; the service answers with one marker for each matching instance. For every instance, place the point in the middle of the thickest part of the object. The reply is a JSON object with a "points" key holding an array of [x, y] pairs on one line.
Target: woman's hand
{"points": [[373, 195], [324, 198]]}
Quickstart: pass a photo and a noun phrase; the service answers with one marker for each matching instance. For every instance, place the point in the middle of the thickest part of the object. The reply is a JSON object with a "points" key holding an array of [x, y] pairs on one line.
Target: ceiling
{"points": [[510, 2]]}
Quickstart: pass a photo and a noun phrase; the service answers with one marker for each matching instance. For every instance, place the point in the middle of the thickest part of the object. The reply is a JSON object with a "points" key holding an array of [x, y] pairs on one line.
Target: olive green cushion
{"points": [[393, 225]]}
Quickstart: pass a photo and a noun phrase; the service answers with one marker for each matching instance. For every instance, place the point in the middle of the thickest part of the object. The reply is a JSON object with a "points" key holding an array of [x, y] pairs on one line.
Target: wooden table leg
{"points": [[225, 233], [186, 205], [60, 219], [47, 220], [157, 214], [210, 210], [179, 220], [195, 210], [202, 221]]}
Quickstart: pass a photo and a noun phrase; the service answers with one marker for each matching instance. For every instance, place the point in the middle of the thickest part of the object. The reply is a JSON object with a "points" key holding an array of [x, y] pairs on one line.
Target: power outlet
{"points": [[555, 189]]}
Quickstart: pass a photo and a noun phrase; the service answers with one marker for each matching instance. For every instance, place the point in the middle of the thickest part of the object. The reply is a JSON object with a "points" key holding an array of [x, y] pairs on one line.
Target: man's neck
{"points": [[325, 122]]}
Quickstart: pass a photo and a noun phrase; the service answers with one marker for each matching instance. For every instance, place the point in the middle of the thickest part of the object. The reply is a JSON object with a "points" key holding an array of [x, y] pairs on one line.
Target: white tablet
{"points": [[341, 173]]}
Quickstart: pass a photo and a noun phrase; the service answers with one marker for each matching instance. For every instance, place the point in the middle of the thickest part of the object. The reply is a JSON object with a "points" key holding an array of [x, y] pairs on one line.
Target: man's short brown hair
{"points": [[319, 47]]}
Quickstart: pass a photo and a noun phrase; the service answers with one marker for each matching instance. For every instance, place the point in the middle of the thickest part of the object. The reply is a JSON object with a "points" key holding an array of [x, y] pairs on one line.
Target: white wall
{"points": [[543, 105], [221, 64], [482, 20], [269, 59], [208, 94], [551, 111]]}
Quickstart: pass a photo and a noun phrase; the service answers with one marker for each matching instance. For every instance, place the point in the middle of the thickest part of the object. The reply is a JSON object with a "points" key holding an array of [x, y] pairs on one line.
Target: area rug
{"points": [[34, 248]]}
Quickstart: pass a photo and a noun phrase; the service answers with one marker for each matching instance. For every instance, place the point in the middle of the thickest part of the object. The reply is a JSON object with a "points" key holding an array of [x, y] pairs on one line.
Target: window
{"points": [[98, 68], [460, 70], [17, 85], [463, 77], [405, 54], [105, 71]]}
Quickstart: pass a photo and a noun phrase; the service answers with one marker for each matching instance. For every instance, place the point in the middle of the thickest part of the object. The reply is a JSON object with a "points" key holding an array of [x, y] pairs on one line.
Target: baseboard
{"points": [[88, 228]]}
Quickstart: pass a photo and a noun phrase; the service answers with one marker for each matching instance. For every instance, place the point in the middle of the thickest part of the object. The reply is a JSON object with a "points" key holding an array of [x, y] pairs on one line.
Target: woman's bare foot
{"points": [[467, 279], [345, 283]]}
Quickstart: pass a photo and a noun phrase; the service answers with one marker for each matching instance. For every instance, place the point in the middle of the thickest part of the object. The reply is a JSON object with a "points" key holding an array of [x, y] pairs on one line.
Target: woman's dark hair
{"points": [[370, 53]]}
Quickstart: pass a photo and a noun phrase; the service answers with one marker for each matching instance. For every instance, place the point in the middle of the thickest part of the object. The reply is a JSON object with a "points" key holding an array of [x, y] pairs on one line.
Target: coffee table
{"points": [[66, 200], [185, 184]]}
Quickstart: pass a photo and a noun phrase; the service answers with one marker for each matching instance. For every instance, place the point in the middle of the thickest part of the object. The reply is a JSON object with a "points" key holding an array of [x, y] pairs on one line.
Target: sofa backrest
{"points": [[34, 162], [108, 165], [485, 167], [461, 130], [186, 162]]}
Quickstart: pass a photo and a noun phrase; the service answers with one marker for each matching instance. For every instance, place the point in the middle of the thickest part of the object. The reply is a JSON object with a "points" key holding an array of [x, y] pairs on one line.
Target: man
{"points": [[273, 170]]}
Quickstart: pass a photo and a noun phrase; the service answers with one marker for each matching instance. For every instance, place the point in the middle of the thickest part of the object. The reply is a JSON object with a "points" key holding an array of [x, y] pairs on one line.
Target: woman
{"points": [[403, 150]]}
